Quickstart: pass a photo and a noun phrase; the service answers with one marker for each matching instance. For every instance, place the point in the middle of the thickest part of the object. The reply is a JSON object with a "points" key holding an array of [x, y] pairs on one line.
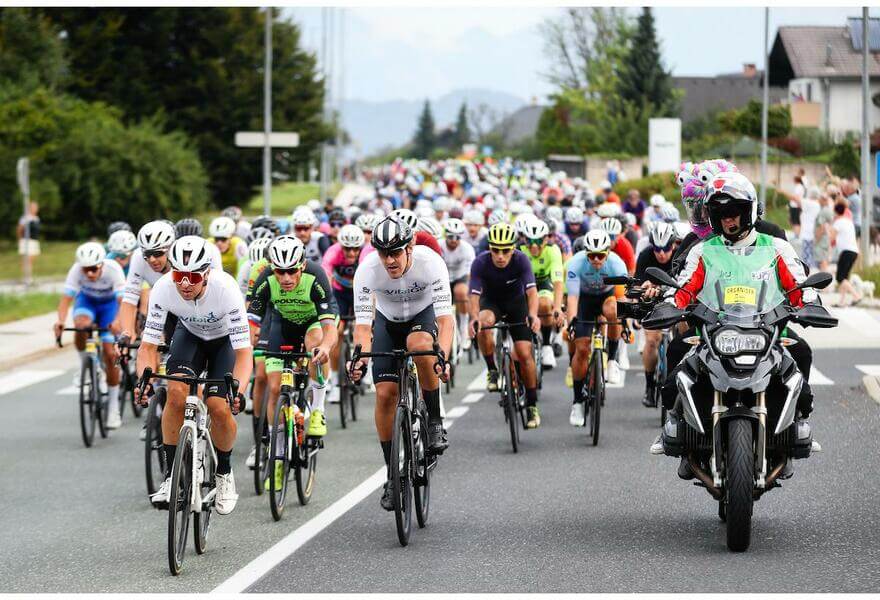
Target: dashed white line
{"points": [[479, 382], [471, 398], [21, 379], [818, 378], [457, 411]]}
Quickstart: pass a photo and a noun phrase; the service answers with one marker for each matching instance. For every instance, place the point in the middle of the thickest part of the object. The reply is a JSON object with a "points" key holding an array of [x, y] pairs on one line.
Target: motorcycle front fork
{"points": [[760, 409]]}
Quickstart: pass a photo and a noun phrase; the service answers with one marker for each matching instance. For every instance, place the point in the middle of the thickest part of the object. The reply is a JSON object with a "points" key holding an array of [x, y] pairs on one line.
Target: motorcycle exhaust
{"points": [[705, 478]]}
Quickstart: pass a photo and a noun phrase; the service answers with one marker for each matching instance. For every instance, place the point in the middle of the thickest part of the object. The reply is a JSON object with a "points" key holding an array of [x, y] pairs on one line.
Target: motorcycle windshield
{"points": [[741, 284]]}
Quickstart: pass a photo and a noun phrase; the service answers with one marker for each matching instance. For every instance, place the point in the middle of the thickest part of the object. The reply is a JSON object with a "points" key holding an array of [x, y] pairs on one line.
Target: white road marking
{"points": [[68, 391], [471, 398], [479, 382], [869, 369], [457, 411], [818, 378], [22, 379]]}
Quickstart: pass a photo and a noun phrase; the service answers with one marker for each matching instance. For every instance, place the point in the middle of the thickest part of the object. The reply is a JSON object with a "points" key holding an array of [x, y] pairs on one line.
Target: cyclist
{"points": [[367, 222], [242, 228], [458, 257], [410, 285], [257, 241], [117, 226], [547, 267], [233, 250], [336, 220], [304, 228], [303, 314], [659, 255], [589, 299], [619, 244], [211, 335], [576, 224], [120, 246], [94, 285], [502, 287], [559, 239]]}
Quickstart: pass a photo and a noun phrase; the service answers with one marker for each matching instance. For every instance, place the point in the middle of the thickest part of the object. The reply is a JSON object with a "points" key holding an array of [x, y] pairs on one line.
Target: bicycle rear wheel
{"points": [[130, 382], [346, 394], [100, 399], [305, 463], [202, 519], [422, 475], [280, 450], [154, 452], [87, 403], [597, 394], [179, 501], [261, 449], [401, 471]]}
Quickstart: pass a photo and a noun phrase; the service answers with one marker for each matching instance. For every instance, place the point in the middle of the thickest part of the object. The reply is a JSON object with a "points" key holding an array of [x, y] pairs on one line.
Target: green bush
{"points": [[845, 159], [88, 168], [813, 141], [658, 183]]}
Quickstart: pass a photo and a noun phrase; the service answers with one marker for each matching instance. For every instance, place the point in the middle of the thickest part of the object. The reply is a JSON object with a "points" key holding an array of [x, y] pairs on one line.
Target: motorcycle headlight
{"points": [[730, 341]]}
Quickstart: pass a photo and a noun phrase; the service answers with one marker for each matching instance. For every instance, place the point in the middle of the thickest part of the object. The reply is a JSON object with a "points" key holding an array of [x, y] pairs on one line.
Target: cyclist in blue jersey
{"points": [[589, 299]]}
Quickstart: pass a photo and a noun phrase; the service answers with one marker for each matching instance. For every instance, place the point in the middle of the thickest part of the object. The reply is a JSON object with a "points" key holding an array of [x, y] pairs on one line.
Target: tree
{"points": [[31, 51], [462, 131], [747, 120], [199, 71], [845, 161], [425, 140], [643, 80]]}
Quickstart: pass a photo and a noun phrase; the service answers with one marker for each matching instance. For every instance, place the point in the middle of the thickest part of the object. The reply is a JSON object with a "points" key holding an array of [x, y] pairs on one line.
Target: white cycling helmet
{"points": [[454, 227], [431, 225], [474, 217], [424, 212], [304, 217], [521, 220], [554, 212], [630, 219], [670, 213], [441, 204], [406, 216], [608, 209], [596, 240], [657, 200], [351, 236], [156, 235], [662, 235], [190, 253], [574, 215], [367, 221], [257, 249], [122, 242], [222, 227], [498, 216], [535, 229], [90, 254], [682, 228], [287, 252], [611, 226], [313, 205]]}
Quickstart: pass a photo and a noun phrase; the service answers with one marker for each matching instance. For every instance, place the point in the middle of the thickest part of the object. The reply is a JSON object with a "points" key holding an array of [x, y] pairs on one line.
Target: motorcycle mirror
{"points": [[661, 277], [819, 280]]}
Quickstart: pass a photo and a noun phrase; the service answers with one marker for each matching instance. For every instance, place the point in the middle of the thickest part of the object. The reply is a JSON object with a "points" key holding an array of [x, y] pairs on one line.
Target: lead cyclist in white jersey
{"points": [[211, 335], [413, 310]]}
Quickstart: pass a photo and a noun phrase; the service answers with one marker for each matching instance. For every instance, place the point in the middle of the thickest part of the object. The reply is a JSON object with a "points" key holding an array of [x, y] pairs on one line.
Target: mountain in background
{"points": [[377, 125]]}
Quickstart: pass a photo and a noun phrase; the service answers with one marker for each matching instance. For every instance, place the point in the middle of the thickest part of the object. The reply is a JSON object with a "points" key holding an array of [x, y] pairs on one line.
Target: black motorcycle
{"points": [[734, 418]]}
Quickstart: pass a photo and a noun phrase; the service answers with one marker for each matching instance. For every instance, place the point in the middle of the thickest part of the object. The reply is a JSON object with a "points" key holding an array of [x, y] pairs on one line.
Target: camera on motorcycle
{"points": [[660, 277], [819, 280]]}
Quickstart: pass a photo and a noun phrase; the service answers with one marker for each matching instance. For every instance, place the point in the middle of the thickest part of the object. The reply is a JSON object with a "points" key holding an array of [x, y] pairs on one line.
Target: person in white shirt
{"points": [[843, 236], [458, 257]]}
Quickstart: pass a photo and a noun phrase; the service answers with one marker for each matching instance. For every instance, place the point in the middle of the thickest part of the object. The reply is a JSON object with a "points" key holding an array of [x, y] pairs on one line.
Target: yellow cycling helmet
{"points": [[502, 235]]}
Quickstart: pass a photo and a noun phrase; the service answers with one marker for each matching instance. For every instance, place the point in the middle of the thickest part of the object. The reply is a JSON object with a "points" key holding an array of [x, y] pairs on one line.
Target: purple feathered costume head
{"points": [[693, 179]]}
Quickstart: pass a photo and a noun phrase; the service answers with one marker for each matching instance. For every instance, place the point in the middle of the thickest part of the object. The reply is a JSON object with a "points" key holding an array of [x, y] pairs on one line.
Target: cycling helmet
{"points": [[441, 204], [259, 233], [670, 213], [90, 254], [630, 219], [257, 248], [187, 227], [156, 235], [454, 227], [222, 227], [577, 245], [392, 233], [611, 226], [233, 212], [608, 209], [455, 212], [662, 235], [267, 222], [732, 193], [554, 212], [351, 236], [367, 222], [304, 217], [497, 216], [474, 217], [190, 253], [286, 252], [424, 212], [535, 229], [122, 242], [431, 225], [314, 205], [502, 235], [521, 221], [657, 200], [407, 216], [574, 215], [681, 229], [117, 226], [596, 240]]}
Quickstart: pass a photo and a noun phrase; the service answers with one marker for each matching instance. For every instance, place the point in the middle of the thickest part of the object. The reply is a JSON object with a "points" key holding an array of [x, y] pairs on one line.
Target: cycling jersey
{"points": [[108, 286], [256, 270], [234, 255], [562, 242], [583, 278], [512, 280], [311, 300], [139, 274], [340, 272], [425, 283], [459, 261], [622, 248], [547, 266], [648, 259], [217, 313], [244, 271], [317, 246]]}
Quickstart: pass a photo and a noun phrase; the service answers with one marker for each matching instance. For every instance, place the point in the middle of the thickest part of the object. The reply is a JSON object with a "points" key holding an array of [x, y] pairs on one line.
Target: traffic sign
{"points": [[257, 139]]}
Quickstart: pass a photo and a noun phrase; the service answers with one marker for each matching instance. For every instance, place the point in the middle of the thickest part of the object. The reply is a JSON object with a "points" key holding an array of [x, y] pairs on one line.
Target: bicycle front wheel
{"points": [[87, 403], [345, 391], [100, 400], [597, 394], [261, 448], [154, 452], [202, 518], [305, 463], [401, 470], [281, 446], [179, 500], [511, 410]]}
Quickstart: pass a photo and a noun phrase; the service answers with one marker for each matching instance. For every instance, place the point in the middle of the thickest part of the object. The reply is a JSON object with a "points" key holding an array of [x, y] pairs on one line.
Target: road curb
{"points": [[872, 386], [18, 361]]}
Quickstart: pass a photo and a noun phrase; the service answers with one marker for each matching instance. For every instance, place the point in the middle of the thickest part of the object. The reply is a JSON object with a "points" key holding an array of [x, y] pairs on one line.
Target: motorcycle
{"points": [[738, 386]]}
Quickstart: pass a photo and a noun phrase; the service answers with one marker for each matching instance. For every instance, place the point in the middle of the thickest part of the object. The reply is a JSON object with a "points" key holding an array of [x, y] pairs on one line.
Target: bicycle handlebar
{"points": [[230, 383], [439, 364], [80, 330]]}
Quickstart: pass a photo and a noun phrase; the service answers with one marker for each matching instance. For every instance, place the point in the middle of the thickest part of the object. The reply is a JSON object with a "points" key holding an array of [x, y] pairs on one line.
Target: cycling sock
{"points": [[170, 451], [113, 399], [334, 377], [432, 401], [531, 396], [490, 362], [318, 394], [386, 451], [224, 461], [649, 378], [545, 334], [578, 391], [612, 349]]}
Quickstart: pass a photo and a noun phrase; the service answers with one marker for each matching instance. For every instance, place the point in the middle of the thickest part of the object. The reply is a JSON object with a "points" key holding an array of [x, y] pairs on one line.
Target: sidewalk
{"points": [[21, 341]]}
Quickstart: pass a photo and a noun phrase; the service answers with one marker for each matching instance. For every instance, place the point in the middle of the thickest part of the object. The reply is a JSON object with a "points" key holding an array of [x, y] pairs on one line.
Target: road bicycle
{"points": [[509, 383], [193, 488], [128, 379], [411, 462], [92, 399], [348, 390]]}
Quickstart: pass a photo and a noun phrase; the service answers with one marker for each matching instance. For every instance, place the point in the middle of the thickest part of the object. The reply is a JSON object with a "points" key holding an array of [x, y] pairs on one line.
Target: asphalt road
{"points": [[560, 516]]}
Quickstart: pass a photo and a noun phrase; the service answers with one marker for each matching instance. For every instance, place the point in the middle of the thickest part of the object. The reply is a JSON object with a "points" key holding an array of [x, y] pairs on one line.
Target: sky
{"points": [[413, 53]]}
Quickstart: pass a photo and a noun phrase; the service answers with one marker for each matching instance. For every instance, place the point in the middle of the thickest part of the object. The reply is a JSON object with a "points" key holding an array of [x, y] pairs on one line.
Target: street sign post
{"points": [[259, 139], [664, 145], [23, 174]]}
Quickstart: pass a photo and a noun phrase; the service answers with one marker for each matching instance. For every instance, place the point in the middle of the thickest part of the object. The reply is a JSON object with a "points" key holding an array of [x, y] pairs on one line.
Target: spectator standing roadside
{"points": [[809, 212], [28, 232], [843, 236], [822, 234], [794, 204], [852, 193]]}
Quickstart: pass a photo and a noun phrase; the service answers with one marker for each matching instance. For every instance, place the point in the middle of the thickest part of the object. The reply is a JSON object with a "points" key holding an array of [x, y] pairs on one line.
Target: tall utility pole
{"points": [[267, 116], [764, 110], [867, 191], [327, 67], [340, 97]]}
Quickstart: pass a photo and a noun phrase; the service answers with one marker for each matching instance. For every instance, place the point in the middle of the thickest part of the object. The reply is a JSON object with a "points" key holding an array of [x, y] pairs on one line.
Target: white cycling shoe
{"points": [[114, 421], [576, 418], [613, 374], [548, 359], [252, 458], [226, 498], [160, 498], [657, 447], [466, 343]]}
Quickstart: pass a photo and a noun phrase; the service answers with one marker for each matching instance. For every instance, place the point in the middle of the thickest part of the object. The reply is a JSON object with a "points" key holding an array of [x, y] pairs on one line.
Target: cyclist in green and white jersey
{"points": [[548, 268]]}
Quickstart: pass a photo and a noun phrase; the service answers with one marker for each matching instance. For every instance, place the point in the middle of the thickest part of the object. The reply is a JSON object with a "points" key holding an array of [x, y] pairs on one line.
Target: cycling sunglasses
{"points": [[337, 223], [291, 271], [221, 239], [596, 255], [452, 237], [302, 227], [536, 241], [666, 248], [192, 277], [153, 253], [91, 269]]}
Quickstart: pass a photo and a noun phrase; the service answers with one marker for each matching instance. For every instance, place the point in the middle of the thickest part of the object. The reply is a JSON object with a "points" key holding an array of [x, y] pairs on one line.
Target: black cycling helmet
{"points": [[391, 234], [117, 226], [258, 233], [187, 227], [265, 222], [337, 214], [577, 245]]}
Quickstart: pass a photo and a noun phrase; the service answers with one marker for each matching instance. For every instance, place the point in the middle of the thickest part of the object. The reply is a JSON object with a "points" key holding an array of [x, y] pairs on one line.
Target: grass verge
{"points": [[54, 261], [22, 306]]}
